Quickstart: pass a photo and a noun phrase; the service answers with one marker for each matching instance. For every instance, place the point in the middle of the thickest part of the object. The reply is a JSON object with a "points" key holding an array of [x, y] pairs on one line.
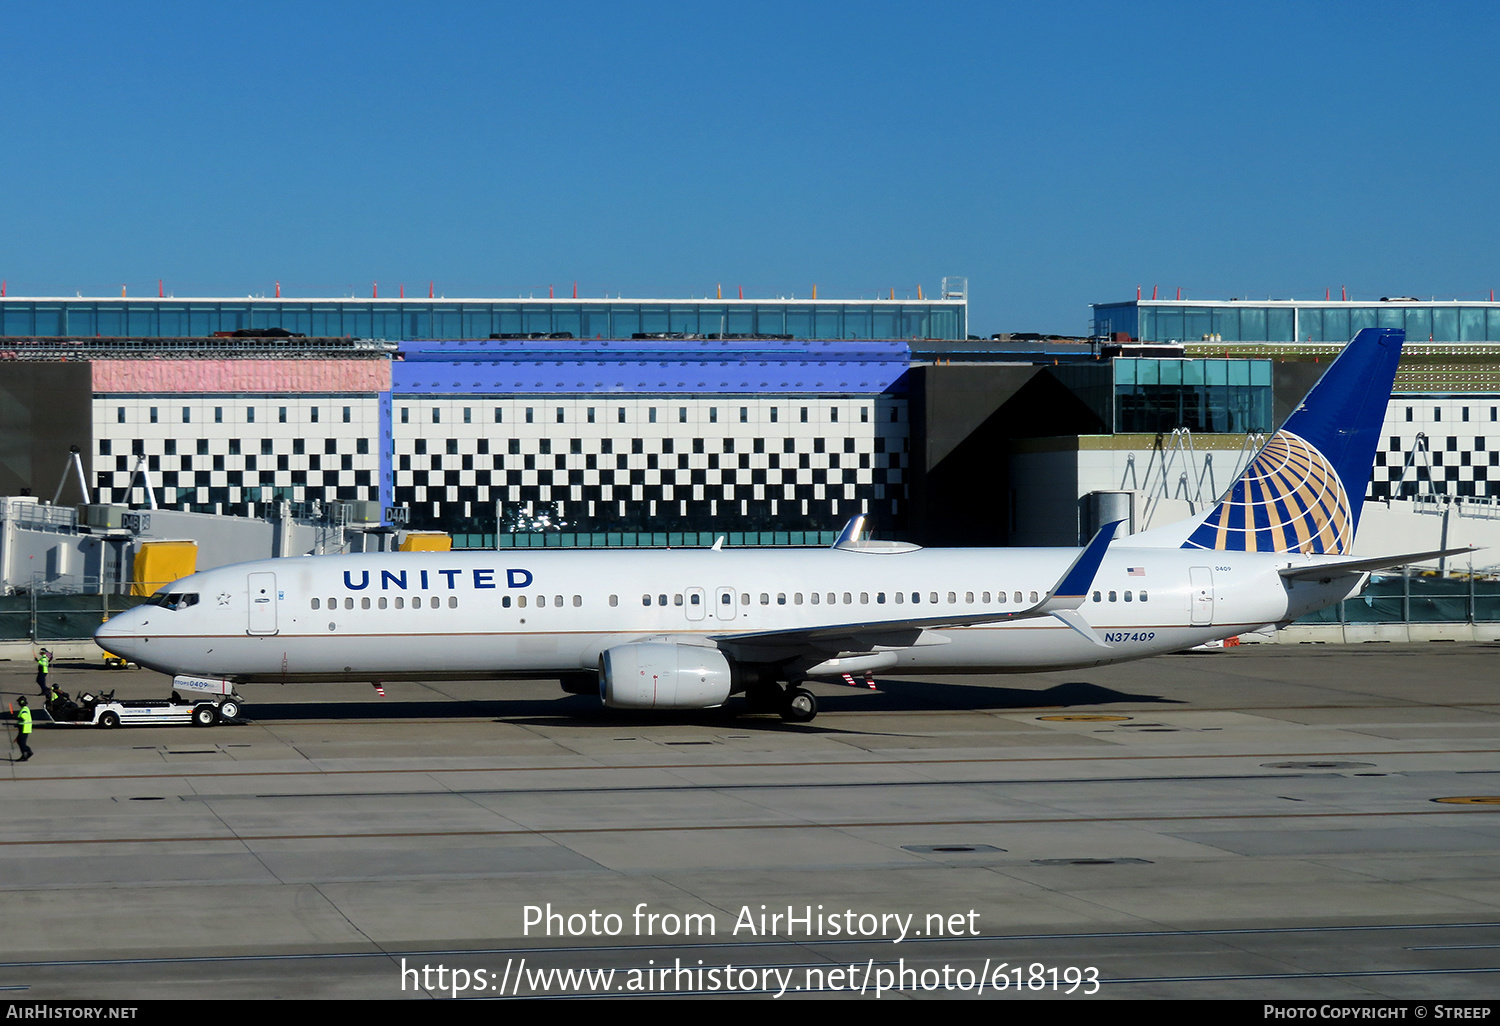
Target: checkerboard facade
{"points": [[219, 453], [1443, 445], [596, 462], [600, 460]]}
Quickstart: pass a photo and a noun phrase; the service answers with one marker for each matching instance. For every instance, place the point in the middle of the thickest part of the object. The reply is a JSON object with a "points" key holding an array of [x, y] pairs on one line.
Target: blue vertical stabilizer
{"points": [[1304, 490]]}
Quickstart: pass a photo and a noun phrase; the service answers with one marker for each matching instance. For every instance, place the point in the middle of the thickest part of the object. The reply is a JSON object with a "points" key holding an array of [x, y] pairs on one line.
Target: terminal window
{"points": [[1224, 396]]}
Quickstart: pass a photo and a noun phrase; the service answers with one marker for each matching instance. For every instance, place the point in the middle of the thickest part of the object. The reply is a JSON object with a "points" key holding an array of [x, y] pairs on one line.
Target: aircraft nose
{"points": [[121, 633]]}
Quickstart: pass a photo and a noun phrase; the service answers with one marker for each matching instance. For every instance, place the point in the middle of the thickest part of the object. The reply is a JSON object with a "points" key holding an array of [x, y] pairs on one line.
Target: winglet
{"points": [[1073, 588], [851, 532]]}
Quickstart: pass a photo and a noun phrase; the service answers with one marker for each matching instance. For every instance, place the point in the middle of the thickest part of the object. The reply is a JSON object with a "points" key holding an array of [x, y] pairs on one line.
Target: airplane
{"points": [[686, 629]]}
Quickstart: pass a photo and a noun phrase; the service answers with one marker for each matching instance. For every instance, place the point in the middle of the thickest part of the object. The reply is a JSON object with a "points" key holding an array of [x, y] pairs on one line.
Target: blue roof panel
{"points": [[709, 366]]}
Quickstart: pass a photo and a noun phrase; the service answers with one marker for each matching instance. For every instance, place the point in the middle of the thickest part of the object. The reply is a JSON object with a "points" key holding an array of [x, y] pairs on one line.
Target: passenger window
{"points": [[645, 600], [1096, 596], [953, 598], [614, 600], [364, 603], [1034, 598], [577, 601], [557, 601], [864, 598], [1127, 596], [933, 598], [452, 601], [401, 602], [416, 603], [814, 598], [383, 602], [833, 598], [724, 599], [520, 601], [969, 597], [661, 600], [541, 601], [1112, 596], [504, 601], [765, 599], [1019, 598], [744, 598], [348, 603], [797, 598], [676, 600], [316, 603], [900, 597], [781, 598], [1143, 596], [880, 598], [985, 598]]}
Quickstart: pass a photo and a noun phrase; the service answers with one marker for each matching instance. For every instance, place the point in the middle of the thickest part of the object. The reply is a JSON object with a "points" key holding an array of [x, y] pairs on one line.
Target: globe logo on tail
{"points": [[1289, 499]]}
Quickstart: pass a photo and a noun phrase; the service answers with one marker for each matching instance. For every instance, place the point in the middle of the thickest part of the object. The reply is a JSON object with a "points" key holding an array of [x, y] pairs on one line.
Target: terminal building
{"points": [[1288, 321], [672, 422], [585, 422], [1443, 425], [431, 319]]}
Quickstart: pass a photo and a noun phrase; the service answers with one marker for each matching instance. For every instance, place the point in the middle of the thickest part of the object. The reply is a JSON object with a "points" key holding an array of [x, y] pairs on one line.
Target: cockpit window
{"points": [[173, 599]]}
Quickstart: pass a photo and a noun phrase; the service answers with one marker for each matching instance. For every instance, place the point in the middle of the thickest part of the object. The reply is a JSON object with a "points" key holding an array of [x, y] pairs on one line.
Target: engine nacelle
{"points": [[659, 675]]}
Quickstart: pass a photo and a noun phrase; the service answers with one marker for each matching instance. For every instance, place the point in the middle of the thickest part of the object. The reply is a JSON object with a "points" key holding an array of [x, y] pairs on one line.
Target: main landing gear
{"points": [[798, 705], [794, 704]]}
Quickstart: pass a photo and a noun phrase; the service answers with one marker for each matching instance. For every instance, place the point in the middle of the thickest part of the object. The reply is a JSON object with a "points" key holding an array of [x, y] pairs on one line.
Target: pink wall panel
{"points": [[242, 375]]}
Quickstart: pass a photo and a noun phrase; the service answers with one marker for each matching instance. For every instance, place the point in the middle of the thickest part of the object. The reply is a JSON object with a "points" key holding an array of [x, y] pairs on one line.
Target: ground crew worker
{"points": [[23, 730], [43, 664]]}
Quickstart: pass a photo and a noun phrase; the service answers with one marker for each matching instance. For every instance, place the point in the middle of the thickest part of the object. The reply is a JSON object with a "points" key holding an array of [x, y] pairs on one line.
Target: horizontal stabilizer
{"points": [[1359, 566]]}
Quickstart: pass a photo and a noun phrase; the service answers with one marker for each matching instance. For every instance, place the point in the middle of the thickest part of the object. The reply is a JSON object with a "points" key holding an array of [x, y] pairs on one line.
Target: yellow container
{"points": [[158, 563], [426, 541]]}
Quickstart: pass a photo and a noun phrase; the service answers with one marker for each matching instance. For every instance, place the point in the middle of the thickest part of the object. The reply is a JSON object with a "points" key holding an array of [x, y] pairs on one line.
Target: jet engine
{"points": [[660, 675]]}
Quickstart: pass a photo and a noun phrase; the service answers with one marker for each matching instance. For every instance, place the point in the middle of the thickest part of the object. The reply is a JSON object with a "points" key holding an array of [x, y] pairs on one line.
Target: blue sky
{"points": [[1056, 155]]}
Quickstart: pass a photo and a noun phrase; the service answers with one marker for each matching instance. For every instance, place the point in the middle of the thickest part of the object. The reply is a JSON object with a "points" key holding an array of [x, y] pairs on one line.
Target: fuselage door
{"points": [[262, 589], [695, 603], [725, 605], [1201, 579]]}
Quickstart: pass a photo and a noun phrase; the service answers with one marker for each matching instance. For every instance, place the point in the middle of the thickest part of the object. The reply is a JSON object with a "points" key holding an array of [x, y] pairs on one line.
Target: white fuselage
{"points": [[526, 613]]}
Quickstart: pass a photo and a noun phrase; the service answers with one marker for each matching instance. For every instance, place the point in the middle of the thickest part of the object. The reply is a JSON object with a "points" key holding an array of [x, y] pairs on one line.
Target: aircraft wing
{"points": [[1062, 602], [1359, 566]]}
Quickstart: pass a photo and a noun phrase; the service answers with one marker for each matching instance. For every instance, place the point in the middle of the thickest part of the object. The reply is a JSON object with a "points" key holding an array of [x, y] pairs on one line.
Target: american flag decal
{"points": [[1135, 571]]}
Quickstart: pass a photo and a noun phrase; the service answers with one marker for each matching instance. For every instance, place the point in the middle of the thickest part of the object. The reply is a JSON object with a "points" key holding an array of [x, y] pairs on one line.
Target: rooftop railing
{"points": [[49, 348]]}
